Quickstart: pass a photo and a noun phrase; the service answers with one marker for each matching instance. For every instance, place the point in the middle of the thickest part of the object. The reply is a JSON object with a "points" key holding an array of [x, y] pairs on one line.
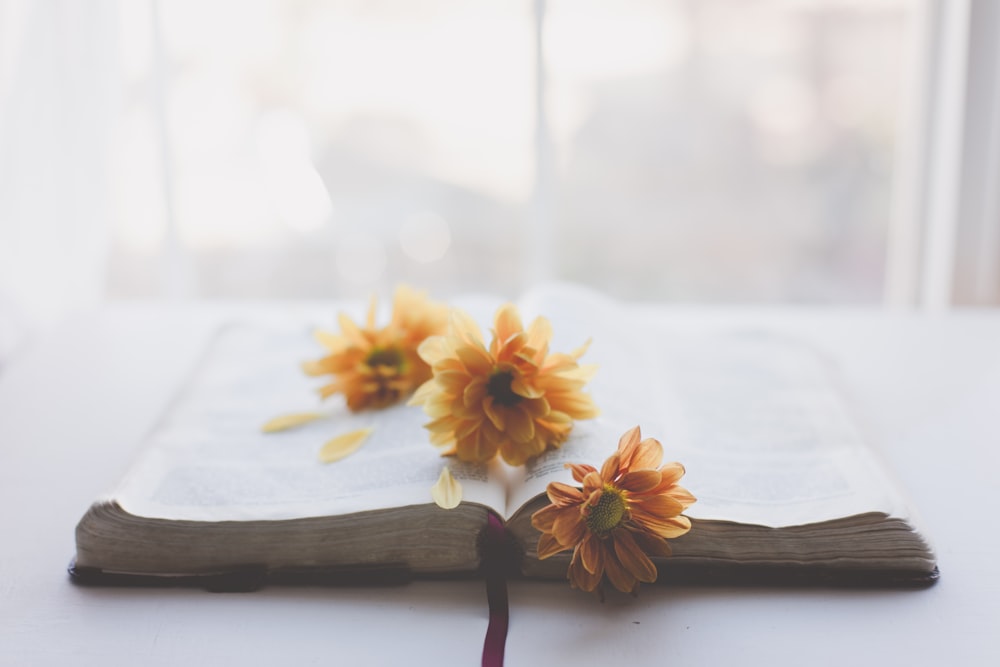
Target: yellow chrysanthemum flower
{"points": [[513, 397], [374, 368], [621, 516]]}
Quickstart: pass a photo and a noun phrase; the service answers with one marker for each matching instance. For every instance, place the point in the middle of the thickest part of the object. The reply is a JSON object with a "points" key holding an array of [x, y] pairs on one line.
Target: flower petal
{"points": [[610, 468], [563, 494], [592, 554], [344, 444], [453, 382], [580, 470], [495, 415], [314, 368], [632, 558], [507, 322], [331, 341], [557, 363], [423, 393], [536, 407], [664, 527], [545, 517], [520, 425], [648, 454], [513, 453], [651, 545], [627, 444], [475, 447], [681, 495], [619, 577], [661, 506], [351, 331], [580, 351], [569, 528], [434, 349], [592, 482], [476, 360], [576, 405], [462, 325], [525, 390], [583, 374], [506, 351], [579, 577], [549, 546], [372, 307], [285, 422], [539, 334], [474, 393], [438, 406], [672, 472], [446, 492], [640, 481]]}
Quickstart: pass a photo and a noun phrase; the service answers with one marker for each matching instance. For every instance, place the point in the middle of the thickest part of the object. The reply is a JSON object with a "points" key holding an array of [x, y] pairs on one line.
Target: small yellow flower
{"points": [[374, 368], [619, 518], [513, 397]]}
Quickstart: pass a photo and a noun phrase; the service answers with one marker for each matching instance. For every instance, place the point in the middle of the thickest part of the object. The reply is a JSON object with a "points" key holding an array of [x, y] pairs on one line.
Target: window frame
{"points": [[943, 245]]}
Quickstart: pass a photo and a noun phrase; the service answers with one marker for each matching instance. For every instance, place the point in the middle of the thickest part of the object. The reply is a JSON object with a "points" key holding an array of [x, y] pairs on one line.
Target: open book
{"points": [[787, 489]]}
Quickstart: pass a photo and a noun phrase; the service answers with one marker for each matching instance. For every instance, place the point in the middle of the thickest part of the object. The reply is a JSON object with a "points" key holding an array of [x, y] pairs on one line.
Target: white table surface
{"points": [[74, 404]]}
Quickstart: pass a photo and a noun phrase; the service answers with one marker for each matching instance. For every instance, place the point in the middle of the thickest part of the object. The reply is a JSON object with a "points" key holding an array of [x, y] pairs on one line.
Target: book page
{"points": [[755, 418], [209, 461]]}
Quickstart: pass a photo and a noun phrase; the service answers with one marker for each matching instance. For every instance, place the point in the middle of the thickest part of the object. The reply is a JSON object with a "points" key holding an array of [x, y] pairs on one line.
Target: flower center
{"points": [[498, 386], [384, 356], [608, 513]]}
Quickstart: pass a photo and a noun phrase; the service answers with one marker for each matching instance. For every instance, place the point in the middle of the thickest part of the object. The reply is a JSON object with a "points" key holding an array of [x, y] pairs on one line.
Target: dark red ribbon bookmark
{"points": [[495, 564]]}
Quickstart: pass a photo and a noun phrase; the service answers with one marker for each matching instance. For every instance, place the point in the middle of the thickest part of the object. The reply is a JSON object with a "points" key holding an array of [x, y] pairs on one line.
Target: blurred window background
{"points": [[673, 150]]}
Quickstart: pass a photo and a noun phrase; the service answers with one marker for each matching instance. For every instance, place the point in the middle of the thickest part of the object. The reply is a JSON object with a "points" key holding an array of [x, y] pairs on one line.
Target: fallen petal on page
{"points": [[344, 445], [285, 422], [447, 492]]}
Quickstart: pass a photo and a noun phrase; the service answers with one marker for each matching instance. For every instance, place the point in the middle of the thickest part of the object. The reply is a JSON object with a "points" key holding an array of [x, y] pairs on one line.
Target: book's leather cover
{"points": [[246, 579], [251, 578]]}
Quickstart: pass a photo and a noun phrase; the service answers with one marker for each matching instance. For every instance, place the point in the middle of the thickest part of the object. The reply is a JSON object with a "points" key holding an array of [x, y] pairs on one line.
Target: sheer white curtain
{"points": [[716, 150], [58, 102]]}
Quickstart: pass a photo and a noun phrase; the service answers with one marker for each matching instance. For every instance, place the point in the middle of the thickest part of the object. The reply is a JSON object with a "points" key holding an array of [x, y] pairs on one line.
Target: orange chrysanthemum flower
{"points": [[621, 516], [513, 397], [374, 368]]}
